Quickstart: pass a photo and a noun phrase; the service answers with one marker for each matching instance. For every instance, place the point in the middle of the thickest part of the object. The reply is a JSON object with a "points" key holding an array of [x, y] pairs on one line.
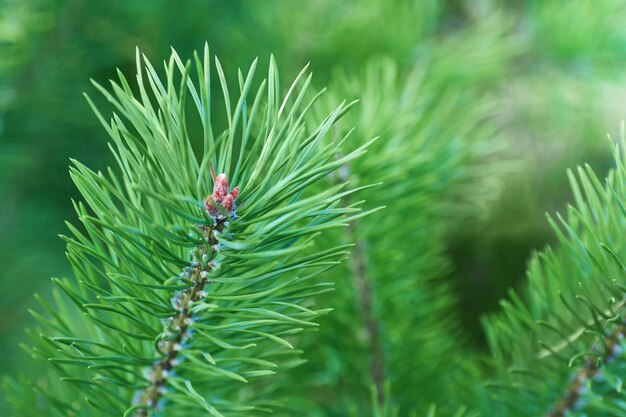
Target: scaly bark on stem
{"points": [[177, 327]]}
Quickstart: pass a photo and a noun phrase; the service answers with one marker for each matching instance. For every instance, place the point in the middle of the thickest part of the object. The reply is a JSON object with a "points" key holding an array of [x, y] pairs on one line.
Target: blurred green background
{"points": [[554, 67]]}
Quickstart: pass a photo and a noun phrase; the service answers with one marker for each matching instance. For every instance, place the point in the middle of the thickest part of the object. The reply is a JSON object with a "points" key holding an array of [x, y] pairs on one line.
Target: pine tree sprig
{"points": [[190, 288]]}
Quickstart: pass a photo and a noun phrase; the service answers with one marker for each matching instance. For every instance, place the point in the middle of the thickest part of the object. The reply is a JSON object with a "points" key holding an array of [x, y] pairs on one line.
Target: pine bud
{"points": [[221, 197]]}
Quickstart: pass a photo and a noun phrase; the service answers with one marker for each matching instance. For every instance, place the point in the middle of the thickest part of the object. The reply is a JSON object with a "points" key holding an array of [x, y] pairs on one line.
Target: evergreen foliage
{"points": [[180, 305], [558, 349], [393, 280], [226, 265]]}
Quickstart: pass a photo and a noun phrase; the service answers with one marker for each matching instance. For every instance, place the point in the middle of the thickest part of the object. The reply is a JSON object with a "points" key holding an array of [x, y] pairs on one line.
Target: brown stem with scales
{"points": [[176, 328]]}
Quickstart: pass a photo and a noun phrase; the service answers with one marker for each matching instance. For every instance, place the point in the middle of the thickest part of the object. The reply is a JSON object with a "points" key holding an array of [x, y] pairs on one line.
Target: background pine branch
{"points": [[394, 280], [558, 349]]}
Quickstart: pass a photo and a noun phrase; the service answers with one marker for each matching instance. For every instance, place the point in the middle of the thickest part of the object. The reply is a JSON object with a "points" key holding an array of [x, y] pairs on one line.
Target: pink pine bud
{"points": [[221, 196]]}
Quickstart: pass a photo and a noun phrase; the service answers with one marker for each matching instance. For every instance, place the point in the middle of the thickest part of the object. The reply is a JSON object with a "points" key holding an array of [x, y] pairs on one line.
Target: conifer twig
{"points": [[177, 329], [112, 336]]}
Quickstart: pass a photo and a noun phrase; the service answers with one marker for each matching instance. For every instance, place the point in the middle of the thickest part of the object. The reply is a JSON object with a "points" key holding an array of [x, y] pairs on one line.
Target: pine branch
{"points": [[132, 335], [571, 310]]}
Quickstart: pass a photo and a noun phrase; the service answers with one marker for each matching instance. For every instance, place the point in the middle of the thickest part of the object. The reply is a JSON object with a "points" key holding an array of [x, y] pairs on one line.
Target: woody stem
{"points": [[176, 327]]}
